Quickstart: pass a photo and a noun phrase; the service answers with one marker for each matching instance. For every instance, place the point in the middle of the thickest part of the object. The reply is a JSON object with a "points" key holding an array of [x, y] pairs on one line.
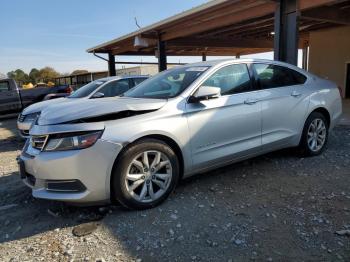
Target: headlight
{"points": [[72, 141], [31, 117], [28, 118]]}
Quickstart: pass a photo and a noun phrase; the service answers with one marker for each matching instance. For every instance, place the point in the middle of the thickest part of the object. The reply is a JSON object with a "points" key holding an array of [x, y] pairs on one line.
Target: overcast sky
{"points": [[40, 33]]}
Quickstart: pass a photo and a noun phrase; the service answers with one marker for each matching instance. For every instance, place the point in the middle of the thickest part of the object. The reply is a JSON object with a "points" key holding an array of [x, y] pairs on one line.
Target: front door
{"points": [[227, 127]]}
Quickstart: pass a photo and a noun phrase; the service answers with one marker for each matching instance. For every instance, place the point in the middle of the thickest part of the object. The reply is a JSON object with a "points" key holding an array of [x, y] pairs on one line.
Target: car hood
{"points": [[38, 107], [92, 108]]}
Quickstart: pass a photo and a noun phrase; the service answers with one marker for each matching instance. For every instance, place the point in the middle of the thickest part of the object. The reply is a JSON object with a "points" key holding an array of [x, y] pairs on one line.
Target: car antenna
{"points": [[137, 24]]}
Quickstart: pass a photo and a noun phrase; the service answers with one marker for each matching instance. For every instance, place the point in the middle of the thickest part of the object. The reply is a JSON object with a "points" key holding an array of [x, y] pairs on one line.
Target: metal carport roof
{"points": [[225, 27]]}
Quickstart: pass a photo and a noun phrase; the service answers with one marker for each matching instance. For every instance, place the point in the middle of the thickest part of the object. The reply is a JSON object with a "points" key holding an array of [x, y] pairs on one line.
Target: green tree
{"points": [[34, 75], [48, 73], [11, 74], [19, 76], [79, 71]]}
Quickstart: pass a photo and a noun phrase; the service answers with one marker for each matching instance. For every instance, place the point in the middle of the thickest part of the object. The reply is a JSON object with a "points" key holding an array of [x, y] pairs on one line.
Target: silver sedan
{"points": [[134, 149]]}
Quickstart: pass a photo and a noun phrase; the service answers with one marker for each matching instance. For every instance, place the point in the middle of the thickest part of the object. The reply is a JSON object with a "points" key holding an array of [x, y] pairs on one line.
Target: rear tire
{"points": [[145, 174], [315, 135]]}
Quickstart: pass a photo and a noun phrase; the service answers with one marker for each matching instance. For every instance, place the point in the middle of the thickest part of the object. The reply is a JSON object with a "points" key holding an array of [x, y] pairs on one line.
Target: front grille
{"points": [[21, 118], [38, 142]]}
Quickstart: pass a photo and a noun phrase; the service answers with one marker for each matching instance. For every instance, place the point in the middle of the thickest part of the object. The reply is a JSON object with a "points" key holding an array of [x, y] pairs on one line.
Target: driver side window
{"points": [[168, 85], [115, 88], [230, 79]]}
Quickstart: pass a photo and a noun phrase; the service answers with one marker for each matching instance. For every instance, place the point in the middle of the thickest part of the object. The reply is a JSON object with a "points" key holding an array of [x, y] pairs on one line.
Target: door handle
{"points": [[250, 101], [295, 94]]}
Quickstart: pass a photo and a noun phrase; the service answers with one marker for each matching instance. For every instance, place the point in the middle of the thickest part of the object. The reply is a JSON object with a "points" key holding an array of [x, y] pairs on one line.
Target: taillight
{"points": [[340, 91], [68, 90]]}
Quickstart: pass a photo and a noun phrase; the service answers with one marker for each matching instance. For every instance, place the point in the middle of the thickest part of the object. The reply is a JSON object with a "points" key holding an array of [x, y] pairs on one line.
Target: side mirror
{"points": [[205, 93], [98, 95]]}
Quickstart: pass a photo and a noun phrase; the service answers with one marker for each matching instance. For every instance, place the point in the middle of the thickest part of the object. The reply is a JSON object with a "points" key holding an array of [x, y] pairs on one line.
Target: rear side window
{"points": [[230, 79], [138, 80], [4, 86], [271, 76]]}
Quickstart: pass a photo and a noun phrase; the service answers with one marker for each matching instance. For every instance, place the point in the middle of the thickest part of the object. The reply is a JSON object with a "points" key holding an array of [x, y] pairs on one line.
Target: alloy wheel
{"points": [[316, 135], [148, 176]]}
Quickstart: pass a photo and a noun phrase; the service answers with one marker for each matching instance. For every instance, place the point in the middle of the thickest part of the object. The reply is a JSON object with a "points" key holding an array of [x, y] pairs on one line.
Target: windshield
{"points": [[167, 84], [86, 89]]}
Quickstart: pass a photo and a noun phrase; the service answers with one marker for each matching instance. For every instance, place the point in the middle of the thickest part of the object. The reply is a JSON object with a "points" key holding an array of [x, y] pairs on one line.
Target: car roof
{"points": [[244, 60], [109, 78], [218, 62]]}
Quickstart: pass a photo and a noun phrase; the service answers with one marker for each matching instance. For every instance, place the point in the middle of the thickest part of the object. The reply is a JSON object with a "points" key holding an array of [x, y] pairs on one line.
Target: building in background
{"points": [[329, 55], [79, 80]]}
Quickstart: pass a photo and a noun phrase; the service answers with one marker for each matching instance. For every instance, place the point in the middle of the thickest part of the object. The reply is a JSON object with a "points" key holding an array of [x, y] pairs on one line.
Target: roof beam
{"points": [[328, 14], [143, 63], [233, 28], [243, 11], [199, 52], [251, 29], [306, 4], [230, 43]]}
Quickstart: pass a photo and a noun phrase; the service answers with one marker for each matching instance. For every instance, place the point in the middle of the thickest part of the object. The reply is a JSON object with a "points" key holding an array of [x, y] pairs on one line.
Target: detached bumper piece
{"points": [[65, 186], [30, 179], [24, 133]]}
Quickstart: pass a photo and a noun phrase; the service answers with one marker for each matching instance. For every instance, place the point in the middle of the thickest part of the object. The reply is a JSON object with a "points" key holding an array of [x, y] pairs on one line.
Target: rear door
{"points": [[9, 98], [284, 102], [227, 127]]}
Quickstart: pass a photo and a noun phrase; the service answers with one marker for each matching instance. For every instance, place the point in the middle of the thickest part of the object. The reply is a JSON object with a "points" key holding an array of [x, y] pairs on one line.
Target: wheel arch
{"points": [[320, 108], [302, 148], [166, 139], [324, 112], [171, 143]]}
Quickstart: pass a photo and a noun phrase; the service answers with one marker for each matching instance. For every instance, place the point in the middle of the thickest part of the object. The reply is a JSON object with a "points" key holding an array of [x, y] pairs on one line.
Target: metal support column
{"points": [[204, 57], [286, 31], [111, 65], [162, 63], [305, 57]]}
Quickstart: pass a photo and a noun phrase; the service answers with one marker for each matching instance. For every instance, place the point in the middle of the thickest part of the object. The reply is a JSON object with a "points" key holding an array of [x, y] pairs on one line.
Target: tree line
{"points": [[37, 75]]}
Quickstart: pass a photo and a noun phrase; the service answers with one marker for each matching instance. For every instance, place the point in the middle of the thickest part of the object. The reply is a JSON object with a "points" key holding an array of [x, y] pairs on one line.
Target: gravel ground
{"points": [[276, 207]]}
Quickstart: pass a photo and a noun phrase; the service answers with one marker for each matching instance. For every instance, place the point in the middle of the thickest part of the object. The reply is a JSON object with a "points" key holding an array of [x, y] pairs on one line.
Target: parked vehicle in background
{"points": [[187, 120], [14, 99], [104, 87]]}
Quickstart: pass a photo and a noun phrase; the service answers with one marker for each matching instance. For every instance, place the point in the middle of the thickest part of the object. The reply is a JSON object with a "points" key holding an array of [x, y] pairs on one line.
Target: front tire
{"points": [[145, 174], [315, 135]]}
